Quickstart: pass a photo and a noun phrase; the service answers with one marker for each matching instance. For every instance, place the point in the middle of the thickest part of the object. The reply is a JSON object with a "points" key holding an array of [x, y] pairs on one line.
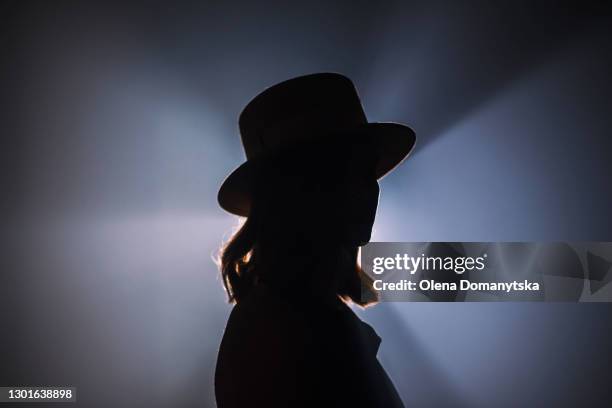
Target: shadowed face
{"points": [[356, 197], [328, 192], [348, 191]]}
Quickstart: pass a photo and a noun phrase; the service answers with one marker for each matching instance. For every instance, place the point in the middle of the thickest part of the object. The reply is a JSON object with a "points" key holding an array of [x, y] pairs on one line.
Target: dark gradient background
{"points": [[119, 122]]}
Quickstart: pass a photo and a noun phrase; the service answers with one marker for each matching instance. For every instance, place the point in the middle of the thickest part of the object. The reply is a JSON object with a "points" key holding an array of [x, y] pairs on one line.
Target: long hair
{"points": [[286, 243]]}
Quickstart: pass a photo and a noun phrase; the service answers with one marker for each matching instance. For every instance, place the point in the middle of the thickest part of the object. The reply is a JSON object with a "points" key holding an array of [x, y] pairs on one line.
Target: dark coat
{"points": [[276, 353]]}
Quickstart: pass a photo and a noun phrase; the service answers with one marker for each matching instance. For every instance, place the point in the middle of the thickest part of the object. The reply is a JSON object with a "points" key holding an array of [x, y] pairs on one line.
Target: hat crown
{"points": [[299, 109]]}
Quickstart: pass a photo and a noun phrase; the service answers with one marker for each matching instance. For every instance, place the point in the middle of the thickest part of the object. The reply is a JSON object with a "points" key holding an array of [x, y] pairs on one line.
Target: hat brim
{"points": [[395, 142]]}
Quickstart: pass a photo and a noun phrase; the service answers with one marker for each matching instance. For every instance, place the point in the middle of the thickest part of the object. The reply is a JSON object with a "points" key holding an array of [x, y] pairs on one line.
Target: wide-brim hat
{"points": [[322, 108]]}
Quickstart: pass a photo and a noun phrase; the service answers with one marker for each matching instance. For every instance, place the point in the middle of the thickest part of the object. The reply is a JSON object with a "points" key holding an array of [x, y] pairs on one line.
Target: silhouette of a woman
{"points": [[309, 193]]}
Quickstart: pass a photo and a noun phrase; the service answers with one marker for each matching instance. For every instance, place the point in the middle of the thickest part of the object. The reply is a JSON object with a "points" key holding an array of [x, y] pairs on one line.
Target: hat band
{"points": [[311, 125]]}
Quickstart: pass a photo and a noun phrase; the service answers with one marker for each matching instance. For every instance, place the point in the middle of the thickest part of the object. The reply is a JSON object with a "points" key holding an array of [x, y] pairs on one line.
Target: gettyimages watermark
{"points": [[490, 271]]}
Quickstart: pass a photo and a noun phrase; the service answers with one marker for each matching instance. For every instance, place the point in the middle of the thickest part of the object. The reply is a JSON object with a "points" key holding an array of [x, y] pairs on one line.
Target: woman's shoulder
{"points": [[263, 316], [260, 304]]}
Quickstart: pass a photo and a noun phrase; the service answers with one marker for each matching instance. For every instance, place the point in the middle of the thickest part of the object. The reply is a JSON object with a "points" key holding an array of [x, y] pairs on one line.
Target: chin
{"points": [[363, 238]]}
